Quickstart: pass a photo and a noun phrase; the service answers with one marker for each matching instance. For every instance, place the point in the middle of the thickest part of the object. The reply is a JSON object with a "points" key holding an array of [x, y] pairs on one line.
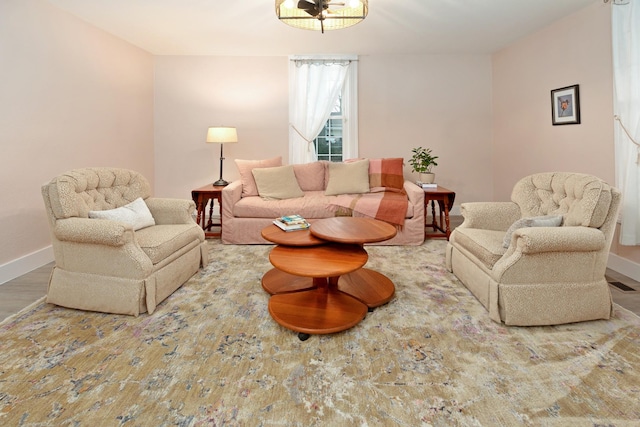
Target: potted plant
{"points": [[422, 161]]}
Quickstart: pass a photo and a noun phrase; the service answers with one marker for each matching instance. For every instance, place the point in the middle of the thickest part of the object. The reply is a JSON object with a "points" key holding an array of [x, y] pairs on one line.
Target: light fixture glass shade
{"points": [[336, 14], [222, 135]]}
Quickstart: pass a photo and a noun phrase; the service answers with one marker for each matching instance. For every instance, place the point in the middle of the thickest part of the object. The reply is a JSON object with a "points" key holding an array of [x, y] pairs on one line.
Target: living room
{"points": [[78, 96], [75, 91]]}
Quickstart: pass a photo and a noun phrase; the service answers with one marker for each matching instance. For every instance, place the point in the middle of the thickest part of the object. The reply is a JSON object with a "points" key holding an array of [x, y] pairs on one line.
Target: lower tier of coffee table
{"points": [[368, 286], [321, 310]]}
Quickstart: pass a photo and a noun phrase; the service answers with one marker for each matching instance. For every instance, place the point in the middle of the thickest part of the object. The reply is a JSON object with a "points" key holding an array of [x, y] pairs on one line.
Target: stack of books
{"points": [[426, 185], [292, 223]]}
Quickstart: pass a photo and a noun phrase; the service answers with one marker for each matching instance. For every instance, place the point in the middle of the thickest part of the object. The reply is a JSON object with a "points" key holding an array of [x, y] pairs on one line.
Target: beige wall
{"points": [[195, 92], [437, 101], [574, 50], [71, 96]]}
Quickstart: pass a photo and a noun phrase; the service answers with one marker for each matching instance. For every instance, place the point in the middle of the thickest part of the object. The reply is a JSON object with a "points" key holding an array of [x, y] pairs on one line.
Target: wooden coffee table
{"points": [[318, 285]]}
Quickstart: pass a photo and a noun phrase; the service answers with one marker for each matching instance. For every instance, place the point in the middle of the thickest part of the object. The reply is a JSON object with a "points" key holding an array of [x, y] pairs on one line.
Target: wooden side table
{"points": [[201, 197], [445, 199]]}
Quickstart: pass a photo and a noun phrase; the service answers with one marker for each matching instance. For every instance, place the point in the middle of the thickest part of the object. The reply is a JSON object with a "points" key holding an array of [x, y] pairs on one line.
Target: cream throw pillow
{"points": [[348, 178], [536, 221], [246, 177], [277, 183], [136, 214]]}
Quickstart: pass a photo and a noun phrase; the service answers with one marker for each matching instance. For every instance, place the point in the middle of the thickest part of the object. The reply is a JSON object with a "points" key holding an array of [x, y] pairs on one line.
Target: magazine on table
{"points": [[291, 222], [292, 219]]}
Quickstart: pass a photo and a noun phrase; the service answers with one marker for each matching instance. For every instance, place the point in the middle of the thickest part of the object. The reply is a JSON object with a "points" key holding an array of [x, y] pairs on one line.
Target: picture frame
{"points": [[565, 105]]}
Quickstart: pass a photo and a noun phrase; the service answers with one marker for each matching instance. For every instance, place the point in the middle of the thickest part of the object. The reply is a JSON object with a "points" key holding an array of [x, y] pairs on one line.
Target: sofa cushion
{"points": [[162, 241], [277, 183], [136, 214], [314, 205], [310, 176], [245, 167], [538, 221], [348, 178], [485, 245], [386, 174]]}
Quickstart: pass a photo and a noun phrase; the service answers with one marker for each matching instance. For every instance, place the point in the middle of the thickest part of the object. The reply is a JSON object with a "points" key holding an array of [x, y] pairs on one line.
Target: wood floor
{"points": [[22, 291]]}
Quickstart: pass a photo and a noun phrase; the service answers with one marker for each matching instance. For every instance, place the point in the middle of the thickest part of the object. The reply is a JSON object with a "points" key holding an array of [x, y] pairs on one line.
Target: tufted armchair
{"points": [[118, 265], [525, 267]]}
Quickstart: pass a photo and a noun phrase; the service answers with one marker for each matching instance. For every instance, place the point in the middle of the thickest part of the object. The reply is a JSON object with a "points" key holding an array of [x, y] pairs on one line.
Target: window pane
{"points": [[328, 144]]}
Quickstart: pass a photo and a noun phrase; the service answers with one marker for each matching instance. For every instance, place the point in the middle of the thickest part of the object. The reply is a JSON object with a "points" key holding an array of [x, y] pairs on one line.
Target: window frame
{"points": [[349, 104]]}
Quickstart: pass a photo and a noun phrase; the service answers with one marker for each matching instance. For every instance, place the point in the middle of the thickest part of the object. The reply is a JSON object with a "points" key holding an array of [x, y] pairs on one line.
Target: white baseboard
{"points": [[25, 264], [624, 266]]}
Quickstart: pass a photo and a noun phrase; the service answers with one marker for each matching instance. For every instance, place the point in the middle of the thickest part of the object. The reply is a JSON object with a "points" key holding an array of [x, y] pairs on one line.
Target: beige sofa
{"points": [[245, 213], [526, 270], [127, 264]]}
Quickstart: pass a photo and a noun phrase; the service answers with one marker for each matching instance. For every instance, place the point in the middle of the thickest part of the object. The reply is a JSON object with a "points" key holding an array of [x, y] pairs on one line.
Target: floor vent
{"points": [[622, 287]]}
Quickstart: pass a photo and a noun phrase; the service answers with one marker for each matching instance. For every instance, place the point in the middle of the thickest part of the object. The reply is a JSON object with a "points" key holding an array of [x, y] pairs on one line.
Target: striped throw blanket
{"points": [[389, 206]]}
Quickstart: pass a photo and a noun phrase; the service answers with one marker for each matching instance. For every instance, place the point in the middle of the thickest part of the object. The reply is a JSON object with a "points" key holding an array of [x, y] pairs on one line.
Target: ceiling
{"points": [[250, 27]]}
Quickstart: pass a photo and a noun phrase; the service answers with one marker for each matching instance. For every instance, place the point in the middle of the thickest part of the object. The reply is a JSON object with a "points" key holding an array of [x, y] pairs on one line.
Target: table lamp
{"points": [[222, 135]]}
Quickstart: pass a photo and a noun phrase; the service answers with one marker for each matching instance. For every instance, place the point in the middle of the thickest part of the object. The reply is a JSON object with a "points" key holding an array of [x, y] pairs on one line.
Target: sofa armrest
{"points": [[553, 254], [171, 211], [94, 231], [415, 195], [533, 240], [84, 244], [497, 216], [231, 194]]}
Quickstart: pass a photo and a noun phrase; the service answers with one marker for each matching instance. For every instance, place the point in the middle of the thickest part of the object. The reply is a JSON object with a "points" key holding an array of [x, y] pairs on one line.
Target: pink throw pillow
{"points": [[310, 176], [249, 187]]}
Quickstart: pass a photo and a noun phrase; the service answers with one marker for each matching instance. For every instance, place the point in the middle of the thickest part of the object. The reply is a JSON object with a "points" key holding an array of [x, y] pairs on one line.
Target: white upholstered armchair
{"points": [[539, 259], [116, 249]]}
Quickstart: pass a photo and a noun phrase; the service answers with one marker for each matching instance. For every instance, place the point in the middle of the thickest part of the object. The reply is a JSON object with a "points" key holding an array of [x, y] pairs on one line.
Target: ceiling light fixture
{"points": [[322, 14]]}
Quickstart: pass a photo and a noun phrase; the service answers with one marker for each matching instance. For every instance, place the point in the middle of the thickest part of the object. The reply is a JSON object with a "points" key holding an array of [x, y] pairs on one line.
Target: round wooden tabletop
{"points": [[328, 260], [276, 235], [353, 230]]}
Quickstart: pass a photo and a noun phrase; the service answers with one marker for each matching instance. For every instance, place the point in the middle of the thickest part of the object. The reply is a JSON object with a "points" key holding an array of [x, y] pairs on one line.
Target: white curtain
{"points": [[626, 76], [314, 88]]}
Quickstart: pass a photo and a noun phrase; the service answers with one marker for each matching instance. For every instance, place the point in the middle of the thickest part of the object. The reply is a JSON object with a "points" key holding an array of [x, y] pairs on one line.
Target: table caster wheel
{"points": [[303, 336]]}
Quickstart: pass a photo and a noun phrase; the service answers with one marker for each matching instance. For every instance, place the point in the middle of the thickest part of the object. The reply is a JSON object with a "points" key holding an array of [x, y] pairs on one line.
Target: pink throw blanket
{"points": [[389, 206]]}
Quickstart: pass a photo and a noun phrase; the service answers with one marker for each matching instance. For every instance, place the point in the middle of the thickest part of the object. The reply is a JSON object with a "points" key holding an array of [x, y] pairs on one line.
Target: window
{"points": [[328, 144], [323, 108]]}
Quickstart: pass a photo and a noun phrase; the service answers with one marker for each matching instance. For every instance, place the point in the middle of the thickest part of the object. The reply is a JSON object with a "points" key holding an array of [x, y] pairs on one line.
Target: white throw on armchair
{"points": [[118, 250], [541, 258]]}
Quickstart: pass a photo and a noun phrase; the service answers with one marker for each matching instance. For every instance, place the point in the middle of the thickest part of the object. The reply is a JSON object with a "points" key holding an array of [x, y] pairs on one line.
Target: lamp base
{"points": [[221, 183]]}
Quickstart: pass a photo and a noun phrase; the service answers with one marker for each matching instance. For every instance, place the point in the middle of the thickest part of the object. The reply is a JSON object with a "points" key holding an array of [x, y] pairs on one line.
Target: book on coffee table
{"points": [[292, 219], [292, 227]]}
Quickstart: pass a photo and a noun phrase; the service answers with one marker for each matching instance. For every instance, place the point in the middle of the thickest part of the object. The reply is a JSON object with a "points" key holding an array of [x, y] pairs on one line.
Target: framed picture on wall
{"points": [[565, 105]]}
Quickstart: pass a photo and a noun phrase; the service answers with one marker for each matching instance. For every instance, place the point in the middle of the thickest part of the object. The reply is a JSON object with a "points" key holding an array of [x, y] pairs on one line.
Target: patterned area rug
{"points": [[212, 355]]}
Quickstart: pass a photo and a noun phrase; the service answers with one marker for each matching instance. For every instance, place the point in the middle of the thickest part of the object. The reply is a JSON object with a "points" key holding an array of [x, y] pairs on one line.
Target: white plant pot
{"points": [[428, 178]]}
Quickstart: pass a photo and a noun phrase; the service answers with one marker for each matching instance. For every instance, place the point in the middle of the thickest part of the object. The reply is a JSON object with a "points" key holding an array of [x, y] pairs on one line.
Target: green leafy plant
{"points": [[422, 160]]}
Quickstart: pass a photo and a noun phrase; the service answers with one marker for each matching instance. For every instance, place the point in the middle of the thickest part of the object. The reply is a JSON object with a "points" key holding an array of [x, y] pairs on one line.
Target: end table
{"points": [[201, 197], [445, 198]]}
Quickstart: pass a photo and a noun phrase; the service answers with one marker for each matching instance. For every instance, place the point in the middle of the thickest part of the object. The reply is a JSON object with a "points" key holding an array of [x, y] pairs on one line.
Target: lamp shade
{"points": [[222, 135]]}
